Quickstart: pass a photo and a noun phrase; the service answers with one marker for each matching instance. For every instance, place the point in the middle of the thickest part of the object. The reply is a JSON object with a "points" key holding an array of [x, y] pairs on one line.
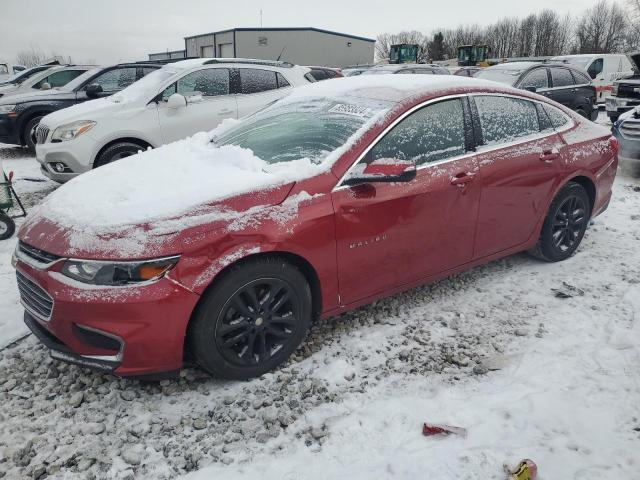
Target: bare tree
{"points": [[36, 56], [602, 29], [385, 40]]}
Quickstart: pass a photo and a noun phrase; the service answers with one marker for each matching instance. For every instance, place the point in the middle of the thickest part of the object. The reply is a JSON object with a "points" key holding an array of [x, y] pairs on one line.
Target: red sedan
{"points": [[224, 250]]}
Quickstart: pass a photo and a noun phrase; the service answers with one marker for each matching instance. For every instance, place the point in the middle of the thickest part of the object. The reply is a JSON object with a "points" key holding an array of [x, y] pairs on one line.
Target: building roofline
{"points": [[292, 29], [165, 52]]}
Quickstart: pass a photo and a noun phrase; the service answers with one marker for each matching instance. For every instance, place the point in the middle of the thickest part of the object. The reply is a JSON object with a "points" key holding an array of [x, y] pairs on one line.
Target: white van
{"points": [[604, 69], [170, 103]]}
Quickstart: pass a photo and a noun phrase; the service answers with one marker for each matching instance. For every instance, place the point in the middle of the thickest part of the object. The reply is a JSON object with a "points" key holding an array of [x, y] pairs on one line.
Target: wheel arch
{"points": [[588, 184], [138, 141], [297, 260], [30, 115]]}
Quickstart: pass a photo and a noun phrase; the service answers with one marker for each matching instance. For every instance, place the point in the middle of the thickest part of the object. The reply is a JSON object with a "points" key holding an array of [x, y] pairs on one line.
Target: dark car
{"points": [[325, 73], [408, 68], [627, 131], [20, 114], [23, 75], [566, 85], [625, 93]]}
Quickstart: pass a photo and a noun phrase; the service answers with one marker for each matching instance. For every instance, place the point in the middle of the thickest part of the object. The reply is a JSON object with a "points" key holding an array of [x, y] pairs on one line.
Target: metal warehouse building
{"points": [[175, 54], [302, 46]]}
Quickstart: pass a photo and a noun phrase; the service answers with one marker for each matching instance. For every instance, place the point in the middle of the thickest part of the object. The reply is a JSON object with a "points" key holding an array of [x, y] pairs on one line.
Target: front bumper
{"points": [[146, 324], [76, 155], [619, 105]]}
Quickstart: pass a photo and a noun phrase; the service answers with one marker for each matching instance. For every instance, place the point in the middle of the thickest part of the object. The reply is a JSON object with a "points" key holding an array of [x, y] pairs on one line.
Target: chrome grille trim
{"points": [[35, 257], [42, 132], [630, 129], [33, 298]]}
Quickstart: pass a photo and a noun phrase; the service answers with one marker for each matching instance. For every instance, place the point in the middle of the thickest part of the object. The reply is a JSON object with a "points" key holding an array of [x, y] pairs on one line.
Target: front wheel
{"points": [[7, 226], [565, 224], [116, 152], [29, 133], [251, 320]]}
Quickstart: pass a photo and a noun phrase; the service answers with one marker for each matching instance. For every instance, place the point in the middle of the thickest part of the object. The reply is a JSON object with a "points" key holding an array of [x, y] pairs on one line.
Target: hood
{"points": [[35, 96], [81, 111], [141, 206]]}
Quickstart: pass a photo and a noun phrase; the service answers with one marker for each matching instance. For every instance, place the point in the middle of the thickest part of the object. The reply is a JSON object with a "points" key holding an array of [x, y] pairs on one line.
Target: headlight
{"points": [[72, 130], [614, 89], [7, 108], [117, 273]]}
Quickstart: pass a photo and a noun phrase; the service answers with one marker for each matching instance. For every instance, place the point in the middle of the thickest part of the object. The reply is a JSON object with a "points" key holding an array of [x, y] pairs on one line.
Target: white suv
{"points": [[169, 104]]}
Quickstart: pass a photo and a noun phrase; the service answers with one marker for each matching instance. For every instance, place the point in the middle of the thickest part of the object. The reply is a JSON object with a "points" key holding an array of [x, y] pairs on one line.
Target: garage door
{"points": [[225, 50], [206, 52]]}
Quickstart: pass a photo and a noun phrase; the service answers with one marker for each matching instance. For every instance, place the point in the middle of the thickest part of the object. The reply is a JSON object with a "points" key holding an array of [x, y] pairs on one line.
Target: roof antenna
{"points": [[260, 18], [280, 56]]}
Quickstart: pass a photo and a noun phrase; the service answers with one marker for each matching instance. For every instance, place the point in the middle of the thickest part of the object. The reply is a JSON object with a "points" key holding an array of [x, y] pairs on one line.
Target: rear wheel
{"points": [[565, 224], [7, 226], [252, 319], [29, 133], [583, 113], [116, 152]]}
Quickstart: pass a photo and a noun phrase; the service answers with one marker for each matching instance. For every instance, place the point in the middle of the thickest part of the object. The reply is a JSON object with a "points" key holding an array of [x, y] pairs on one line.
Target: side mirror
{"points": [[383, 170], [531, 89], [93, 90], [176, 101], [45, 86]]}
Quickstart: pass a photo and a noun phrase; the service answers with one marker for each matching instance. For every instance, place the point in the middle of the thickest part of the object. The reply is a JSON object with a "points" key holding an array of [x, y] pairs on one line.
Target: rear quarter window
{"points": [[557, 118]]}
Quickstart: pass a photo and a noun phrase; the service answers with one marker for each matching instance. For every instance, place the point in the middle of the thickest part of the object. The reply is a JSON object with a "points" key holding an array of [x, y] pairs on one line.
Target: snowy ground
{"points": [[493, 350]]}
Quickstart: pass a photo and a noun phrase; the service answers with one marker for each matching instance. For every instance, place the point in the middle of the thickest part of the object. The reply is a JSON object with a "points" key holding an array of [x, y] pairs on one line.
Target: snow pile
{"points": [[165, 183]]}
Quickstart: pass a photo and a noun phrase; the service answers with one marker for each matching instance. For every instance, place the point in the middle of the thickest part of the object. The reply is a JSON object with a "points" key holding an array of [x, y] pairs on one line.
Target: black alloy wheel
{"points": [[257, 321], [251, 319], [565, 224], [568, 223]]}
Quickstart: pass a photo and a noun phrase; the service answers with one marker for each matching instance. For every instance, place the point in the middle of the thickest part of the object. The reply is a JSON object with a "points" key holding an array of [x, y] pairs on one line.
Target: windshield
{"points": [[149, 85], [502, 75], [310, 128], [80, 79], [20, 77]]}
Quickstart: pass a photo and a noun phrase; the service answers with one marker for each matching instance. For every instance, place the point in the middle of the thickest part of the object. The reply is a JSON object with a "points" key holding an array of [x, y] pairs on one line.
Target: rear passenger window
{"points": [[256, 81], [557, 118], [433, 133], [561, 77], [504, 119], [536, 79]]}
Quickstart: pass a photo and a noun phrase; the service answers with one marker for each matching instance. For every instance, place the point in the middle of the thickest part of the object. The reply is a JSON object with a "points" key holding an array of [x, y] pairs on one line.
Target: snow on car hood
{"points": [[89, 110], [158, 192]]}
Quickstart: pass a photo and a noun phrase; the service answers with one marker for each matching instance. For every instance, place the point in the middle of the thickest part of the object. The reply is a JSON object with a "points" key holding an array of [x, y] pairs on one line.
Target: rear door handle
{"points": [[462, 179], [548, 156]]}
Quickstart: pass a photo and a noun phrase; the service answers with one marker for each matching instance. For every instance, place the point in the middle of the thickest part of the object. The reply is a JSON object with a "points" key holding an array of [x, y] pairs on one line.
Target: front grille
{"points": [[33, 298], [630, 129], [42, 132], [629, 91], [36, 254]]}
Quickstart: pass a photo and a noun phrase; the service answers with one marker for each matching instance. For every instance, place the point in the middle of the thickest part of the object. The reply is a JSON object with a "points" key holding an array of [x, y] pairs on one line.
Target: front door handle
{"points": [[548, 156], [224, 112], [462, 179]]}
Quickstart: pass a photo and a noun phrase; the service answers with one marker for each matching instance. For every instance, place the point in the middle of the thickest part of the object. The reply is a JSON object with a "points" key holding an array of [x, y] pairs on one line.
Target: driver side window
{"points": [[116, 79], [210, 82], [433, 133]]}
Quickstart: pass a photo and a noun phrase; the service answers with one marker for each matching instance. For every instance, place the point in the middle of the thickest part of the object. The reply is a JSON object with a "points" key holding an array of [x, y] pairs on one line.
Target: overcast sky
{"points": [[123, 30]]}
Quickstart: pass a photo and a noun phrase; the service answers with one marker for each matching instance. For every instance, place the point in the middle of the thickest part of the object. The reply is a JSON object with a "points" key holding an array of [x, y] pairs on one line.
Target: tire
{"points": [[116, 152], [564, 225], [29, 133], [583, 113], [7, 226], [236, 333]]}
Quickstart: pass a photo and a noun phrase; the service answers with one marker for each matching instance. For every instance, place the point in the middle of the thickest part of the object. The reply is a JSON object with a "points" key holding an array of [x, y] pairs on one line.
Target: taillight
{"points": [[615, 145]]}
